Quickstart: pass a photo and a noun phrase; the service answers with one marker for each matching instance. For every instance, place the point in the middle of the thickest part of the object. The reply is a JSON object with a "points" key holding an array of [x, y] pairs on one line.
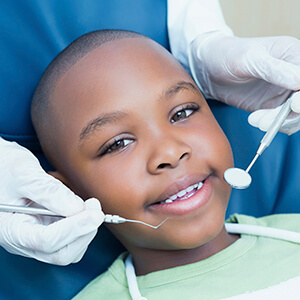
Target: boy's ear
{"points": [[60, 177]]}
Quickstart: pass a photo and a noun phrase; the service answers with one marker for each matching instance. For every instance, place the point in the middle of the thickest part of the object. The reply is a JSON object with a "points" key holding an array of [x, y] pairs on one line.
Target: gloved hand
{"points": [[53, 240], [263, 118], [248, 73]]}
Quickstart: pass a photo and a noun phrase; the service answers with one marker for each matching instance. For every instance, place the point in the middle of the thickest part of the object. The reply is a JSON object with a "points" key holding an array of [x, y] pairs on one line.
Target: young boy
{"points": [[121, 120]]}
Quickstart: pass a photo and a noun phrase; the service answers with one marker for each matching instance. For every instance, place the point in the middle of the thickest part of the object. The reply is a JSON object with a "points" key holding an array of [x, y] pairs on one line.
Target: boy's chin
{"points": [[188, 241]]}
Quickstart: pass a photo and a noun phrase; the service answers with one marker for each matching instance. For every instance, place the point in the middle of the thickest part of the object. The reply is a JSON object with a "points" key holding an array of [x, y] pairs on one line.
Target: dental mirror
{"points": [[237, 178], [241, 179]]}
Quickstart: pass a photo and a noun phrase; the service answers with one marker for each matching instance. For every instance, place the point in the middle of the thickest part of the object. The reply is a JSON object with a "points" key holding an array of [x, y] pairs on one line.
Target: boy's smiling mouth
{"points": [[186, 200], [184, 193]]}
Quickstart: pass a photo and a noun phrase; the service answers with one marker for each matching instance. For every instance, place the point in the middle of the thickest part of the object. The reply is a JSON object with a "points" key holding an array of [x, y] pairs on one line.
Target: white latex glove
{"points": [[249, 73], [53, 240], [263, 118]]}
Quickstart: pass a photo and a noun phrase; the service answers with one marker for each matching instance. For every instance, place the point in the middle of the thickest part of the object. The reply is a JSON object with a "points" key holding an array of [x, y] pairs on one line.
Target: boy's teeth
{"points": [[183, 192], [199, 185], [174, 197], [190, 188]]}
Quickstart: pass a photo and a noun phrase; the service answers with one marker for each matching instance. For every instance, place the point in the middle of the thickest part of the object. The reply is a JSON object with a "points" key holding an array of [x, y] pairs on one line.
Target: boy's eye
{"points": [[115, 146], [183, 114]]}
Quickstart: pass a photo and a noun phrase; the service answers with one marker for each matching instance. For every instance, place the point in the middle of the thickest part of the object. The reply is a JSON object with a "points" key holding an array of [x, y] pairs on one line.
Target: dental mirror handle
{"points": [[275, 126]]}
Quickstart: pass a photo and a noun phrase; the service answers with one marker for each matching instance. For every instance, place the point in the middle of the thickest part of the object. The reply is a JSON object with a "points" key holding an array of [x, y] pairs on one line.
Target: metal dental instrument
{"points": [[115, 219], [241, 179]]}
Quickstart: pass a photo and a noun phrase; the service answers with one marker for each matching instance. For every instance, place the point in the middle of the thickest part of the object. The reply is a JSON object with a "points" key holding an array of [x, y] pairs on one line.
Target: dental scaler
{"points": [[114, 219]]}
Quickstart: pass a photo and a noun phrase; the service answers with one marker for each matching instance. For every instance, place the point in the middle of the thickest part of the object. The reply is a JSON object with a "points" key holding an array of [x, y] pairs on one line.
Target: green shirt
{"points": [[251, 263]]}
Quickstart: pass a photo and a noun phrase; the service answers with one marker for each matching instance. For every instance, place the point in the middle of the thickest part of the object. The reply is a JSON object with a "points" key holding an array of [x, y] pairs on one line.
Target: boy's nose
{"points": [[167, 154]]}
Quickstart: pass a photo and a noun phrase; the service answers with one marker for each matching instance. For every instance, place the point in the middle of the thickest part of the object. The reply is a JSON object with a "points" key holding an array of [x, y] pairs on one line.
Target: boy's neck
{"points": [[149, 260]]}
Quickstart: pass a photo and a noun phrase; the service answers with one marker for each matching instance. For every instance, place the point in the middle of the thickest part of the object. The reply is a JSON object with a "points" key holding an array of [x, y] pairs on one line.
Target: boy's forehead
{"points": [[126, 50], [112, 62]]}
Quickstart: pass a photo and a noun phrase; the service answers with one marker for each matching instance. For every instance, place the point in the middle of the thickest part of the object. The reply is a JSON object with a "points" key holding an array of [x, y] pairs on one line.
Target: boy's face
{"points": [[133, 131]]}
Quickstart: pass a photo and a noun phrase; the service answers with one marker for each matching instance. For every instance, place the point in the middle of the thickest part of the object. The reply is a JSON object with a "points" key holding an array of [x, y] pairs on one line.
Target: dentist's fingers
{"points": [[263, 119], [295, 105], [60, 242]]}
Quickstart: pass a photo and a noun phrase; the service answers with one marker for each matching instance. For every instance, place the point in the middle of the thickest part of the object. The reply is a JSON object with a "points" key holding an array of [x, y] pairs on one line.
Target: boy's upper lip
{"points": [[179, 185]]}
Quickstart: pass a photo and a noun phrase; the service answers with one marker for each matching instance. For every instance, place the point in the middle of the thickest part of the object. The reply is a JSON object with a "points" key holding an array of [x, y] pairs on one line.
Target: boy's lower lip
{"points": [[186, 206]]}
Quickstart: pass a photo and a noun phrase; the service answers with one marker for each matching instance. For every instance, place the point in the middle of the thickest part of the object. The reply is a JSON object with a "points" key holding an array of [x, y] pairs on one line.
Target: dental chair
{"points": [[32, 33]]}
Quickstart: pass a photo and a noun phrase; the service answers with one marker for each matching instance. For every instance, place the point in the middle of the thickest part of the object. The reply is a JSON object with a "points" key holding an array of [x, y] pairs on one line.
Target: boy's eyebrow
{"points": [[108, 118], [104, 119], [179, 86]]}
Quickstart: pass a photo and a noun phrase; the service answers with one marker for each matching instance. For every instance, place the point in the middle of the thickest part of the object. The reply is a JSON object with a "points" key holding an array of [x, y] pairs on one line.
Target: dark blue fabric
{"points": [[32, 33]]}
